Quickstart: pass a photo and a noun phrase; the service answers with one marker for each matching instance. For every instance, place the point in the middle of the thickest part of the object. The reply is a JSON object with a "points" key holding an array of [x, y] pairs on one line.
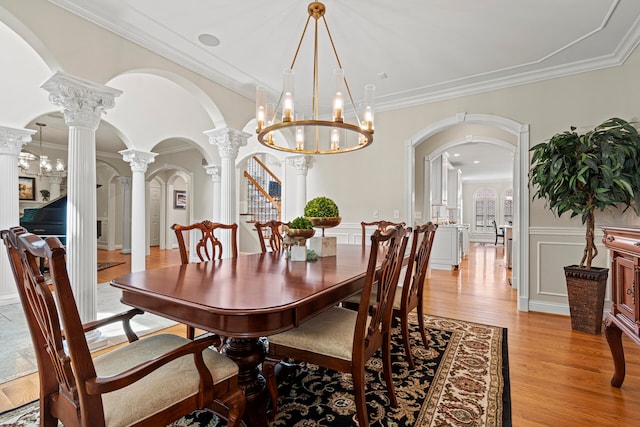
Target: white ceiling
{"points": [[415, 51]]}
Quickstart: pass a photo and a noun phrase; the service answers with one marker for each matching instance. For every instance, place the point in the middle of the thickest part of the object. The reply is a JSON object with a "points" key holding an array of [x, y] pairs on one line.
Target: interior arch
{"points": [[520, 188]]}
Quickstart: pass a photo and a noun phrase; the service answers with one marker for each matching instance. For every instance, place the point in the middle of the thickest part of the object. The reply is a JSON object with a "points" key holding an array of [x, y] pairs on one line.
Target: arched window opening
{"points": [[485, 201]]}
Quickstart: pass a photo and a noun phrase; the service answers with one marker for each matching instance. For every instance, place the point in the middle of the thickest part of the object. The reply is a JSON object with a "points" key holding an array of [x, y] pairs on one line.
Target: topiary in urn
{"points": [[301, 228], [322, 212]]}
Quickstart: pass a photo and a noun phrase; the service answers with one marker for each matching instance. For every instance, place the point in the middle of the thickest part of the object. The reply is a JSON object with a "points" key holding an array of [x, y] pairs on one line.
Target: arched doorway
{"points": [[520, 188]]}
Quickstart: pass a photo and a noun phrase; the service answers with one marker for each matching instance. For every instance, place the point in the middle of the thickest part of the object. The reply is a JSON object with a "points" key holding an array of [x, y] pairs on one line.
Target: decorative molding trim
{"points": [[99, 14], [562, 231]]}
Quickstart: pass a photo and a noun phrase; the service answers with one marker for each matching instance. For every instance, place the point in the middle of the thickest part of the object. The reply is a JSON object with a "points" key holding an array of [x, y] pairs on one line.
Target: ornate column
{"points": [[216, 178], [55, 179], [228, 142], [125, 182], [11, 142], [138, 160], [82, 102], [301, 164]]}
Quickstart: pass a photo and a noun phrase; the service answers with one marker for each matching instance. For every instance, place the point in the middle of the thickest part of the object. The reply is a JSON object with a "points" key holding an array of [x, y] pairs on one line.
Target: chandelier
{"points": [[313, 135], [45, 167]]}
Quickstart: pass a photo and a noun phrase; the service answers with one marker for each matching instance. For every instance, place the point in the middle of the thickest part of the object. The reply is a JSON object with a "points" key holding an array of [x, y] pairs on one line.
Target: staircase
{"points": [[264, 198]]}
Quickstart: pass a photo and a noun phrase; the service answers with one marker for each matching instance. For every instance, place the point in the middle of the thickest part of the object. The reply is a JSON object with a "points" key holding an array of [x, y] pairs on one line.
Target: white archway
{"points": [[521, 189]]}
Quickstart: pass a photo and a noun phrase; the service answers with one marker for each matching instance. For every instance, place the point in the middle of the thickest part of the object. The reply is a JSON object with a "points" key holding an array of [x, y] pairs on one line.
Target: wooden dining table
{"points": [[245, 298]]}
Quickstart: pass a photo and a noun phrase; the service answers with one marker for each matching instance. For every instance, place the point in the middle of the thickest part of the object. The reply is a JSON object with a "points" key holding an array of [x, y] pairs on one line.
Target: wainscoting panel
{"points": [[551, 249]]}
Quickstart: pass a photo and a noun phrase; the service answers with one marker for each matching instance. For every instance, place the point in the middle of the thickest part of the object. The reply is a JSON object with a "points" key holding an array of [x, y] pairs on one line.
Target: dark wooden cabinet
{"points": [[624, 245]]}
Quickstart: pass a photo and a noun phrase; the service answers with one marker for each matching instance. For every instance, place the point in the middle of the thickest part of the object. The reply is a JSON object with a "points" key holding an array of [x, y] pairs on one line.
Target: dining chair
{"points": [[498, 234], [376, 225], [207, 248], [343, 339], [149, 381], [271, 231], [412, 290], [411, 286]]}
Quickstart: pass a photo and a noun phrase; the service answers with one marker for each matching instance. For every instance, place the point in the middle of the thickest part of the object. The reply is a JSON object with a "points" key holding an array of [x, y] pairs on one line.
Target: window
{"points": [[507, 206], [485, 200]]}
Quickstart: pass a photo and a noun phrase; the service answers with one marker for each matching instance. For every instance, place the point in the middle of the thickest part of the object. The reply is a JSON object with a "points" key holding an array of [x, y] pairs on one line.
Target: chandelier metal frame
{"points": [[363, 128]]}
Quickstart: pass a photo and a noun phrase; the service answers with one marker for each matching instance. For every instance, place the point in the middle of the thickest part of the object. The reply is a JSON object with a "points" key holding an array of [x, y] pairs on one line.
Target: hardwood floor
{"points": [[558, 377]]}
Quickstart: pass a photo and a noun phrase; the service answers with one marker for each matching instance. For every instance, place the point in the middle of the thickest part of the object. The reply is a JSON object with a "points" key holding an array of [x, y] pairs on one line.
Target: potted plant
{"points": [[301, 227], [582, 173], [322, 212]]}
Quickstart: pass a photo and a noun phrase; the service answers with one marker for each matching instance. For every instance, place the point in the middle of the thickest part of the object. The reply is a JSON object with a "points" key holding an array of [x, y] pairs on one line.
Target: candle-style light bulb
{"points": [[338, 105], [335, 140], [287, 100], [299, 133], [338, 100], [261, 101], [367, 119], [269, 113]]}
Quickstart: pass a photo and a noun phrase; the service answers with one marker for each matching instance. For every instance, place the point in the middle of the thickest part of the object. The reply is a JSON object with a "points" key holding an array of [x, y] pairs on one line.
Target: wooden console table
{"points": [[624, 245]]}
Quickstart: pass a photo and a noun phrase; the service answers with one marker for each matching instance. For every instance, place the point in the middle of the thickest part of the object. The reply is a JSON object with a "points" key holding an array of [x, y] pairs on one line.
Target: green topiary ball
{"points": [[321, 207], [301, 223]]}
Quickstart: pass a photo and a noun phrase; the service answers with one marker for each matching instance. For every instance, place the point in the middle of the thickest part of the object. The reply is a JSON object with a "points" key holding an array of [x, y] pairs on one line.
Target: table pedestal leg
{"points": [[614, 338], [248, 353]]}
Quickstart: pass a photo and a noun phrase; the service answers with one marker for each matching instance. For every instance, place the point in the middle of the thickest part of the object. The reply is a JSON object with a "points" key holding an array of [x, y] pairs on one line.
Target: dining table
{"points": [[247, 298]]}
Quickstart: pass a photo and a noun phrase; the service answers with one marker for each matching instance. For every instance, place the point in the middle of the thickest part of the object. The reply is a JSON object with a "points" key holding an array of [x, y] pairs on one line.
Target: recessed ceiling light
{"points": [[456, 155], [208, 40], [475, 162]]}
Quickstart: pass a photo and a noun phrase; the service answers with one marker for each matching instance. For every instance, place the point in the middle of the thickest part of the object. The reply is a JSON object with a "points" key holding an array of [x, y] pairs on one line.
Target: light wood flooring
{"points": [[558, 377]]}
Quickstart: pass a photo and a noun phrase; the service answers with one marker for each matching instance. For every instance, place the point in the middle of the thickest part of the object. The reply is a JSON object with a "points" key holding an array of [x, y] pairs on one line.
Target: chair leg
{"points": [[191, 332], [46, 419], [236, 402], [269, 373], [404, 326], [423, 331], [386, 364], [359, 395]]}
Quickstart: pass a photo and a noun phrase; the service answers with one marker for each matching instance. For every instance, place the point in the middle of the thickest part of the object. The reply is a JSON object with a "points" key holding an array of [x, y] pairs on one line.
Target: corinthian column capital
{"points": [[12, 140], [228, 141], [301, 164], [82, 101], [138, 160]]}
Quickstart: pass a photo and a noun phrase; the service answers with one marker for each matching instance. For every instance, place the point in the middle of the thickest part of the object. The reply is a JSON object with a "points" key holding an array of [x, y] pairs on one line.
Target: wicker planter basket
{"points": [[586, 289]]}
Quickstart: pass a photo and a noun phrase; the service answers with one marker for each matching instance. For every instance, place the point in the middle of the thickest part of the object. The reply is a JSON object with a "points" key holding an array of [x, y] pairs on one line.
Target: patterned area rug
{"points": [[462, 379], [105, 265]]}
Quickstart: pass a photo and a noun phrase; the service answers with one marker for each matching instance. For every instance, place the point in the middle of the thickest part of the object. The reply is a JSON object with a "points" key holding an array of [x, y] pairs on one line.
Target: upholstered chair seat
{"points": [[312, 336], [162, 388]]}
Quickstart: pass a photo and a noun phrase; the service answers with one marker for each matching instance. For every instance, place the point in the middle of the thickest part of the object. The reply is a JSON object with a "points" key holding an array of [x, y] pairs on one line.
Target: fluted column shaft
{"points": [[228, 142], [125, 182], [138, 160], [82, 103], [302, 164], [11, 142], [216, 179]]}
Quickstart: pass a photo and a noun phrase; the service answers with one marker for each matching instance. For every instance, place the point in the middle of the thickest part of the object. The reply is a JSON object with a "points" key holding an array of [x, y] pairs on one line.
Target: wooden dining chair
{"points": [[376, 225], [411, 286], [271, 231], [342, 339], [498, 233], [151, 381], [411, 294], [207, 248]]}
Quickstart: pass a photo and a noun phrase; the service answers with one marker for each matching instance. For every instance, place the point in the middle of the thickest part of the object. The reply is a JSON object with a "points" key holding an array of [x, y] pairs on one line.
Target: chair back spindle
{"points": [[208, 247]]}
